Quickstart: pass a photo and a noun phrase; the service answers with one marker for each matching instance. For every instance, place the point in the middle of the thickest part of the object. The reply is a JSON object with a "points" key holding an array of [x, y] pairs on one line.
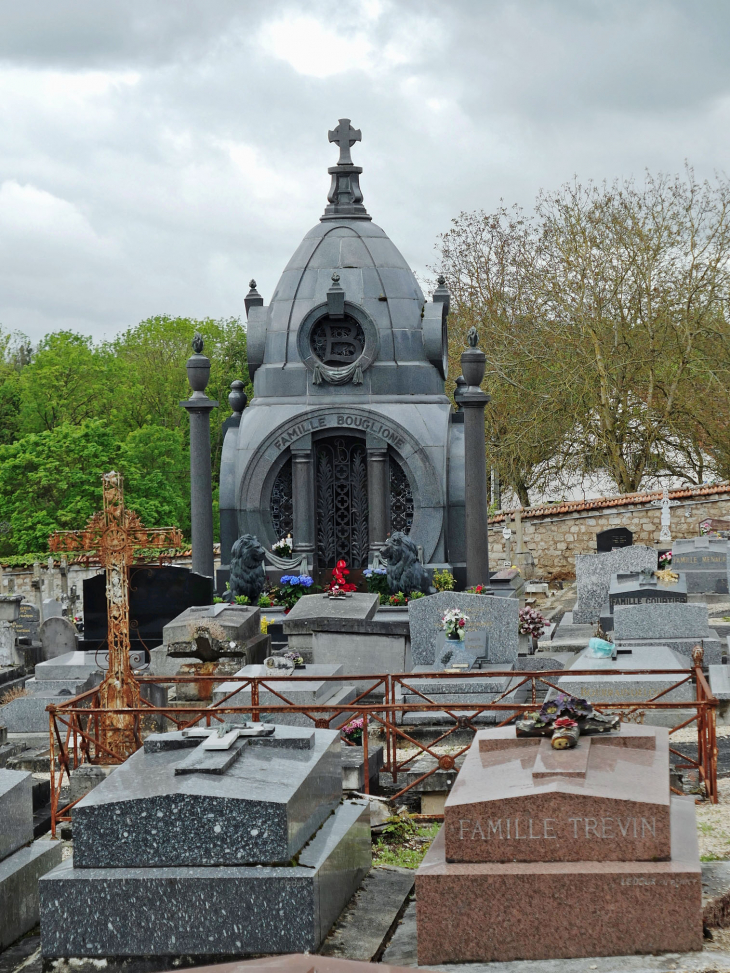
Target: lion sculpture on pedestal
{"points": [[404, 571], [248, 575]]}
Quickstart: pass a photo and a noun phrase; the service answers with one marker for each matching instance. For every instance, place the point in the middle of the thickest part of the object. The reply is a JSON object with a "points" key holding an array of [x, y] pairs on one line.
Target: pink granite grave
{"points": [[561, 853]]}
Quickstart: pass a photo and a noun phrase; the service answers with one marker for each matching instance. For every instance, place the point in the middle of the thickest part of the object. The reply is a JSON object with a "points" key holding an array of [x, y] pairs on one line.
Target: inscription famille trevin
{"points": [[529, 829], [339, 421]]}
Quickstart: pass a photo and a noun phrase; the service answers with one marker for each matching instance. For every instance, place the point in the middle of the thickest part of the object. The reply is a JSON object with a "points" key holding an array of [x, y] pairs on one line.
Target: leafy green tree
{"points": [[15, 354], [68, 380]]}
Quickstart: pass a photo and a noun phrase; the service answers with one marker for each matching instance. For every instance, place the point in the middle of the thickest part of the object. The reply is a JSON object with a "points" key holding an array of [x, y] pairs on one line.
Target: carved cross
{"points": [[345, 136], [112, 535], [666, 504]]}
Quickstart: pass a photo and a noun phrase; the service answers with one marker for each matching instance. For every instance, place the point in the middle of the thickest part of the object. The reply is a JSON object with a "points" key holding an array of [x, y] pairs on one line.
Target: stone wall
{"points": [[555, 534]]}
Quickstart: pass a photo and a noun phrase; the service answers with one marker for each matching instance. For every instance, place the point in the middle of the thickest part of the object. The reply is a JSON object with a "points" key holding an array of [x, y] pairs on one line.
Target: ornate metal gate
{"points": [[401, 499], [282, 508], [342, 502]]}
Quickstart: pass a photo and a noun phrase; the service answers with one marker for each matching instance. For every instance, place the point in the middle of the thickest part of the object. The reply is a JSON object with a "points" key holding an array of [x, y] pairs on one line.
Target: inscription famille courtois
{"points": [[339, 421], [542, 829]]}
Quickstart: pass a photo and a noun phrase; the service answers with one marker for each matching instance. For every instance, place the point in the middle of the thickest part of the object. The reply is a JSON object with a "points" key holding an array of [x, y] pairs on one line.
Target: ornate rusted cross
{"points": [[345, 136], [112, 535]]}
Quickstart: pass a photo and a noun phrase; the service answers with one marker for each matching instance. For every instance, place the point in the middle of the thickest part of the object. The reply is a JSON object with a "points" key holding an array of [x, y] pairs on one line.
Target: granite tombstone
{"points": [[680, 627], [593, 573], [208, 843], [703, 562], [641, 589], [157, 595], [499, 617], [607, 540], [548, 854]]}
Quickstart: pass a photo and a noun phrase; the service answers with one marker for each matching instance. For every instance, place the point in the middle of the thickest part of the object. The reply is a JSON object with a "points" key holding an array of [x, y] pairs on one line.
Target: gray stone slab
{"points": [[720, 682], [27, 714], [367, 920], [207, 632], [662, 621], [16, 810], [361, 654], [606, 686], [341, 696], [360, 605], [630, 589], [19, 877], [499, 616], [58, 637], [353, 767], [247, 910], [475, 684], [262, 810], [704, 563], [56, 686], [308, 691], [593, 574]]}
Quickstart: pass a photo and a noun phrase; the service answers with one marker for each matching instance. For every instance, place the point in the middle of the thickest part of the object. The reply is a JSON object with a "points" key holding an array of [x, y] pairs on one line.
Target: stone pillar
{"points": [[378, 492], [199, 407], [237, 399], [473, 401], [303, 513]]}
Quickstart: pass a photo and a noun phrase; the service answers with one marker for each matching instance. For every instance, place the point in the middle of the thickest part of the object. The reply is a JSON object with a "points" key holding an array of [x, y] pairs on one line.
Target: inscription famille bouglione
{"points": [[517, 828], [342, 422]]}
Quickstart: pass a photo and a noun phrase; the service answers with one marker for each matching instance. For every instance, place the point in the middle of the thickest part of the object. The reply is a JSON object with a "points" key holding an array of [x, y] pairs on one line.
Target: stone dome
{"points": [[384, 339]]}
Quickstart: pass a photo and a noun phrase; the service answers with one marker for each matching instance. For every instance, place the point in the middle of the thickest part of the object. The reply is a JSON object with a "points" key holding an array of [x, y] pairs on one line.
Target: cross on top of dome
{"points": [[345, 136]]}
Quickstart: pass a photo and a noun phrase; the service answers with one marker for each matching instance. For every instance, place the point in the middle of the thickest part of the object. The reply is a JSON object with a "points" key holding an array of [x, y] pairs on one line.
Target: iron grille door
{"points": [[342, 502]]}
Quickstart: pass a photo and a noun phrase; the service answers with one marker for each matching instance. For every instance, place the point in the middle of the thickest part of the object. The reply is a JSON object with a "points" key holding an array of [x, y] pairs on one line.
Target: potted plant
{"points": [[453, 623], [354, 728], [531, 626], [443, 580]]}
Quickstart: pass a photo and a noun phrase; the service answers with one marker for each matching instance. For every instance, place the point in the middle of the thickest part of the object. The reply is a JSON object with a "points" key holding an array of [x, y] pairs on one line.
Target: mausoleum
{"points": [[350, 434]]}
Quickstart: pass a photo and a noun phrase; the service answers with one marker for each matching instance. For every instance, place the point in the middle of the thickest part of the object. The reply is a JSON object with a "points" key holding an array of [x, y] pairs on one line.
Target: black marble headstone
{"points": [[156, 596], [28, 622], [606, 540]]}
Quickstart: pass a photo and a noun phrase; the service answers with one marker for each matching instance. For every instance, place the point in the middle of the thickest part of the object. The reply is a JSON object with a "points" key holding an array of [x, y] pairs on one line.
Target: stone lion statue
{"points": [[404, 571], [247, 569]]}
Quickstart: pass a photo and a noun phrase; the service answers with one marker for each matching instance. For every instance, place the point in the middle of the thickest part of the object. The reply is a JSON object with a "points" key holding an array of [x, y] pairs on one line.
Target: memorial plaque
{"points": [[28, 623], [606, 540]]}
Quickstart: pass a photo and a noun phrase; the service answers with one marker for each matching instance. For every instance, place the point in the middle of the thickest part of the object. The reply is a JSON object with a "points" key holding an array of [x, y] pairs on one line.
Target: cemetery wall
{"points": [[554, 534]]}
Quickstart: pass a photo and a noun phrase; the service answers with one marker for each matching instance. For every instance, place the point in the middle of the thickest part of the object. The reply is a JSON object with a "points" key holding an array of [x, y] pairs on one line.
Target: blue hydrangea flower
{"points": [[286, 578], [367, 572], [305, 580]]}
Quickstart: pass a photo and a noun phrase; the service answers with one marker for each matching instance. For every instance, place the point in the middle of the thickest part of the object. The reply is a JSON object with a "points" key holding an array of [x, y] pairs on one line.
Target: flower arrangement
{"points": [[532, 622], [398, 600], [443, 580], [267, 599], [295, 659], [377, 582], [339, 583], [454, 622], [477, 589], [291, 588], [353, 730], [284, 547], [665, 560]]}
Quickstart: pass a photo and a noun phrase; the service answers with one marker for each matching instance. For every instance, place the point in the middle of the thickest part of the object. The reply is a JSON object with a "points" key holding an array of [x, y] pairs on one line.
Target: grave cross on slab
{"points": [[345, 136], [112, 535]]}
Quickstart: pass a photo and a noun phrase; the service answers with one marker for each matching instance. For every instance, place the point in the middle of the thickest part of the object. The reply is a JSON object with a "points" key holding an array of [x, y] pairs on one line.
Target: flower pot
{"points": [[524, 645], [453, 638]]}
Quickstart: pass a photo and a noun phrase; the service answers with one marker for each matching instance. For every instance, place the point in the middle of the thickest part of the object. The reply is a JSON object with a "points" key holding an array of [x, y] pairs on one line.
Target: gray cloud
{"points": [[154, 156]]}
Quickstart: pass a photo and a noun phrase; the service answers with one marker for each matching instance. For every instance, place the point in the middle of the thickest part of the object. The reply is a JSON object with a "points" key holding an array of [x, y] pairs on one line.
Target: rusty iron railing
{"points": [[76, 735]]}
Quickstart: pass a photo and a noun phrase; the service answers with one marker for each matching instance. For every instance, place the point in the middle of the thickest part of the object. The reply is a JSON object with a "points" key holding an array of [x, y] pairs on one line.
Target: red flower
{"points": [[564, 723], [461, 623]]}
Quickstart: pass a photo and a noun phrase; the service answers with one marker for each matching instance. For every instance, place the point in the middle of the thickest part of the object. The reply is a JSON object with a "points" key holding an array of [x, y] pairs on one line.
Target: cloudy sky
{"points": [[155, 155]]}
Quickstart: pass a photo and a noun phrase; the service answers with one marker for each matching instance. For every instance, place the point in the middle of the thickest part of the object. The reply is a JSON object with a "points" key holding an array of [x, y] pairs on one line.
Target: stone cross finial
{"points": [[345, 136], [472, 336]]}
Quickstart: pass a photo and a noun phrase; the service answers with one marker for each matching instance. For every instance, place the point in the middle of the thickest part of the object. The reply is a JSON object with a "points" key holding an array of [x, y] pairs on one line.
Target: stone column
{"points": [[199, 407], [378, 492], [303, 513], [473, 401]]}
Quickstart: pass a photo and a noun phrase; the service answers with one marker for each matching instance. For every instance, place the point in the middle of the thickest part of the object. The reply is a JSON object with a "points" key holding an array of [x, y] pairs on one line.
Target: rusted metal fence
{"points": [[76, 735]]}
